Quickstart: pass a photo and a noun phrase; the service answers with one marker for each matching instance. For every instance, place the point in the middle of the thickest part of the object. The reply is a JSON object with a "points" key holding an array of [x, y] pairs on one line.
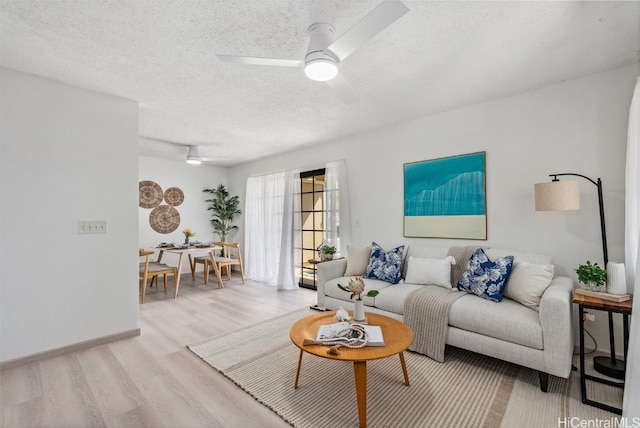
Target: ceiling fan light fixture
{"points": [[320, 65], [193, 157], [321, 70]]}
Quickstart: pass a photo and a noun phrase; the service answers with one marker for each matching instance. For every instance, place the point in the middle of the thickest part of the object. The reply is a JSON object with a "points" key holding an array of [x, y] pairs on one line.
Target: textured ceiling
{"points": [[437, 57]]}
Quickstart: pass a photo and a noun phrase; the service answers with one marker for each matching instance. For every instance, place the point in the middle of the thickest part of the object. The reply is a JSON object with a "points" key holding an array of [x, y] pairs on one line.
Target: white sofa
{"points": [[538, 339]]}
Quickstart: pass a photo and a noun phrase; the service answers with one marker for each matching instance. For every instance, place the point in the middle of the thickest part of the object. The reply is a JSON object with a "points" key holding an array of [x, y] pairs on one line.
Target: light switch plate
{"points": [[92, 226]]}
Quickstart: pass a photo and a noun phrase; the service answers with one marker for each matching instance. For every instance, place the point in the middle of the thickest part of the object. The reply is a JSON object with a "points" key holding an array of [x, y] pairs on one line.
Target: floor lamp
{"points": [[559, 195]]}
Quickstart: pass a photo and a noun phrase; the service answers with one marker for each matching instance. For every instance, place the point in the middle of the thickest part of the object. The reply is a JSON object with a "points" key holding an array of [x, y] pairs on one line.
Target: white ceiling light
{"points": [[193, 157], [321, 70], [318, 64]]}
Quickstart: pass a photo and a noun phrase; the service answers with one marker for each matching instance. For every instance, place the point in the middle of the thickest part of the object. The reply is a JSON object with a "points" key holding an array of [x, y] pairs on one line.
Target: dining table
{"points": [[192, 249]]}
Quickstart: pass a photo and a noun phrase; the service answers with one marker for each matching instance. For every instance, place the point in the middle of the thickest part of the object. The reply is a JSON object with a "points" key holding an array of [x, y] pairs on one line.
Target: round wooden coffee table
{"points": [[397, 338]]}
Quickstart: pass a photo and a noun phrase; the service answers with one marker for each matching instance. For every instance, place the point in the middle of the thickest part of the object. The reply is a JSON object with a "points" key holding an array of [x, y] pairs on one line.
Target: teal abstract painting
{"points": [[446, 198]]}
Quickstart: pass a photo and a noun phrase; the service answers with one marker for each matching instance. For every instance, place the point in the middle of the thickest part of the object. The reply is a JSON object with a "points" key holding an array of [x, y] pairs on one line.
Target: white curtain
{"points": [[269, 230], [630, 408], [337, 216], [632, 185], [288, 274]]}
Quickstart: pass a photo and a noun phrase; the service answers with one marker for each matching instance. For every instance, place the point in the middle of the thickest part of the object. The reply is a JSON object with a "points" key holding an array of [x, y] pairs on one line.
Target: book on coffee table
{"points": [[329, 333], [604, 296]]}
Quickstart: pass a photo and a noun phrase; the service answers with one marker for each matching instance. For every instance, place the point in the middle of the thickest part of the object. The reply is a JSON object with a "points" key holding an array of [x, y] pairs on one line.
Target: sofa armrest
{"points": [[557, 330], [328, 271]]}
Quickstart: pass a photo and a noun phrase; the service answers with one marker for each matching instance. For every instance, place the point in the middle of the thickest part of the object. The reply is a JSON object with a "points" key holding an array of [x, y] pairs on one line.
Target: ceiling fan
{"points": [[325, 52], [164, 149]]}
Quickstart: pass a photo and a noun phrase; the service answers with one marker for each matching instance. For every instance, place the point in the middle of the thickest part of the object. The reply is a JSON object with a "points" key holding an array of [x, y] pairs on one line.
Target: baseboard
{"points": [[80, 346]]}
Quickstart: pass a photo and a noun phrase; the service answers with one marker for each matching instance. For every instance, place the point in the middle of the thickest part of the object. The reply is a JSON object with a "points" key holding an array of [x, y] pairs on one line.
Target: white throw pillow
{"points": [[430, 271], [527, 283], [357, 260]]}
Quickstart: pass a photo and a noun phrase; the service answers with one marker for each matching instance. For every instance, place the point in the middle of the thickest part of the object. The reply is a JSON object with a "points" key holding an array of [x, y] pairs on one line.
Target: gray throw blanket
{"points": [[426, 311]]}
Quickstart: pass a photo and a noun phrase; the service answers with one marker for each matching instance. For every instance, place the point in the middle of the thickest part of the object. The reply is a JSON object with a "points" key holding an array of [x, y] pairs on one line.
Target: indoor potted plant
{"points": [[224, 208], [327, 252], [592, 275]]}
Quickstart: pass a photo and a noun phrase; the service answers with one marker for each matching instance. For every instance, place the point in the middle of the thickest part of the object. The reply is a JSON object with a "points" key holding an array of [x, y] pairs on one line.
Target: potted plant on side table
{"points": [[593, 276], [327, 252]]}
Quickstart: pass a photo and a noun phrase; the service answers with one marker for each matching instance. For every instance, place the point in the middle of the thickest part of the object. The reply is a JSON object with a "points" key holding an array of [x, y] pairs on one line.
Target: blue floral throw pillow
{"points": [[385, 266], [484, 277]]}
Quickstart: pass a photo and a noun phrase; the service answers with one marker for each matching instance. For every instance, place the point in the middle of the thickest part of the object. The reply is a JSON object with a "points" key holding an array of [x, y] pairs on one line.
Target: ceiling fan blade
{"points": [[343, 88], [260, 61], [377, 20]]}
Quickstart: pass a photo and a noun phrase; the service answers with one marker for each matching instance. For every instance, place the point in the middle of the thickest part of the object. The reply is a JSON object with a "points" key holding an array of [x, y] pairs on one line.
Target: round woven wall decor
{"points": [[150, 194], [173, 196], [164, 219]]}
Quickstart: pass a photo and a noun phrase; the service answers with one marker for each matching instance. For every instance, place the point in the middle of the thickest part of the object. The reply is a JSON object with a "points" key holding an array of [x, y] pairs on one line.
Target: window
{"points": [[312, 213]]}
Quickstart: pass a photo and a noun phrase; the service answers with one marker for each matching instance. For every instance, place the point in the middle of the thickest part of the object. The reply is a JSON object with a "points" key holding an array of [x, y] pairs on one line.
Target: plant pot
{"points": [[592, 286]]}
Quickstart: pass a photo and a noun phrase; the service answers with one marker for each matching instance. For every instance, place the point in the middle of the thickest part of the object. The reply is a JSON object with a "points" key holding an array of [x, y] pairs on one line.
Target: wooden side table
{"points": [[315, 262], [318, 261], [610, 307]]}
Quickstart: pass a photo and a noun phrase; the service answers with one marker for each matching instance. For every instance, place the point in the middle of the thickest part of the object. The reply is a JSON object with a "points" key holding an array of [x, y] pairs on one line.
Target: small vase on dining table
{"points": [[358, 311], [186, 240]]}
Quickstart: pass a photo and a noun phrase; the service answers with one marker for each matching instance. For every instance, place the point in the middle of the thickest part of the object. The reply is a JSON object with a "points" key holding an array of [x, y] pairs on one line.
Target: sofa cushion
{"points": [[385, 266], [422, 252], [512, 323], [527, 282], [392, 298], [331, 290], [540, 259], [357, 260], [430, 271], [485, 277]]}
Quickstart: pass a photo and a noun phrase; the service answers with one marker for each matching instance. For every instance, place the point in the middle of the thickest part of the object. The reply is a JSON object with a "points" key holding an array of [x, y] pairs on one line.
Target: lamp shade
{"points": [[193, 157], [557, 196]]}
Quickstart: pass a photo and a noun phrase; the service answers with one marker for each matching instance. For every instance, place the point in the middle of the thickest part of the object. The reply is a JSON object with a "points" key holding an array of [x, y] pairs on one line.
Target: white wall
{"points": [[191, 179], [66, 155], [69, 155], [578, 126]]}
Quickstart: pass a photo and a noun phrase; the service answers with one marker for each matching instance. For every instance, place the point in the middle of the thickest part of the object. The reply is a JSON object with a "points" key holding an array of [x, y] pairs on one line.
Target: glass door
{"points": [[312, 187]]}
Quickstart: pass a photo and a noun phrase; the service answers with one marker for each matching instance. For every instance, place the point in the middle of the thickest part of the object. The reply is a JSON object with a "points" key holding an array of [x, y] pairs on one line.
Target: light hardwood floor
{"points": [[152, 380]]}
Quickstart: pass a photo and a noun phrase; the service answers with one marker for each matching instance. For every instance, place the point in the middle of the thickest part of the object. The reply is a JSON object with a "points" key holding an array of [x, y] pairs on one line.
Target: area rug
{"points": [[467, 390]]}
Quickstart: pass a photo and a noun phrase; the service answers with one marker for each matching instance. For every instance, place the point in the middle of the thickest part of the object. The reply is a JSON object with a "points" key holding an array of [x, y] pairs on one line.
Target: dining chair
{"points": [[231, 256], [152, 269], [205, 261], [228, 257]]}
